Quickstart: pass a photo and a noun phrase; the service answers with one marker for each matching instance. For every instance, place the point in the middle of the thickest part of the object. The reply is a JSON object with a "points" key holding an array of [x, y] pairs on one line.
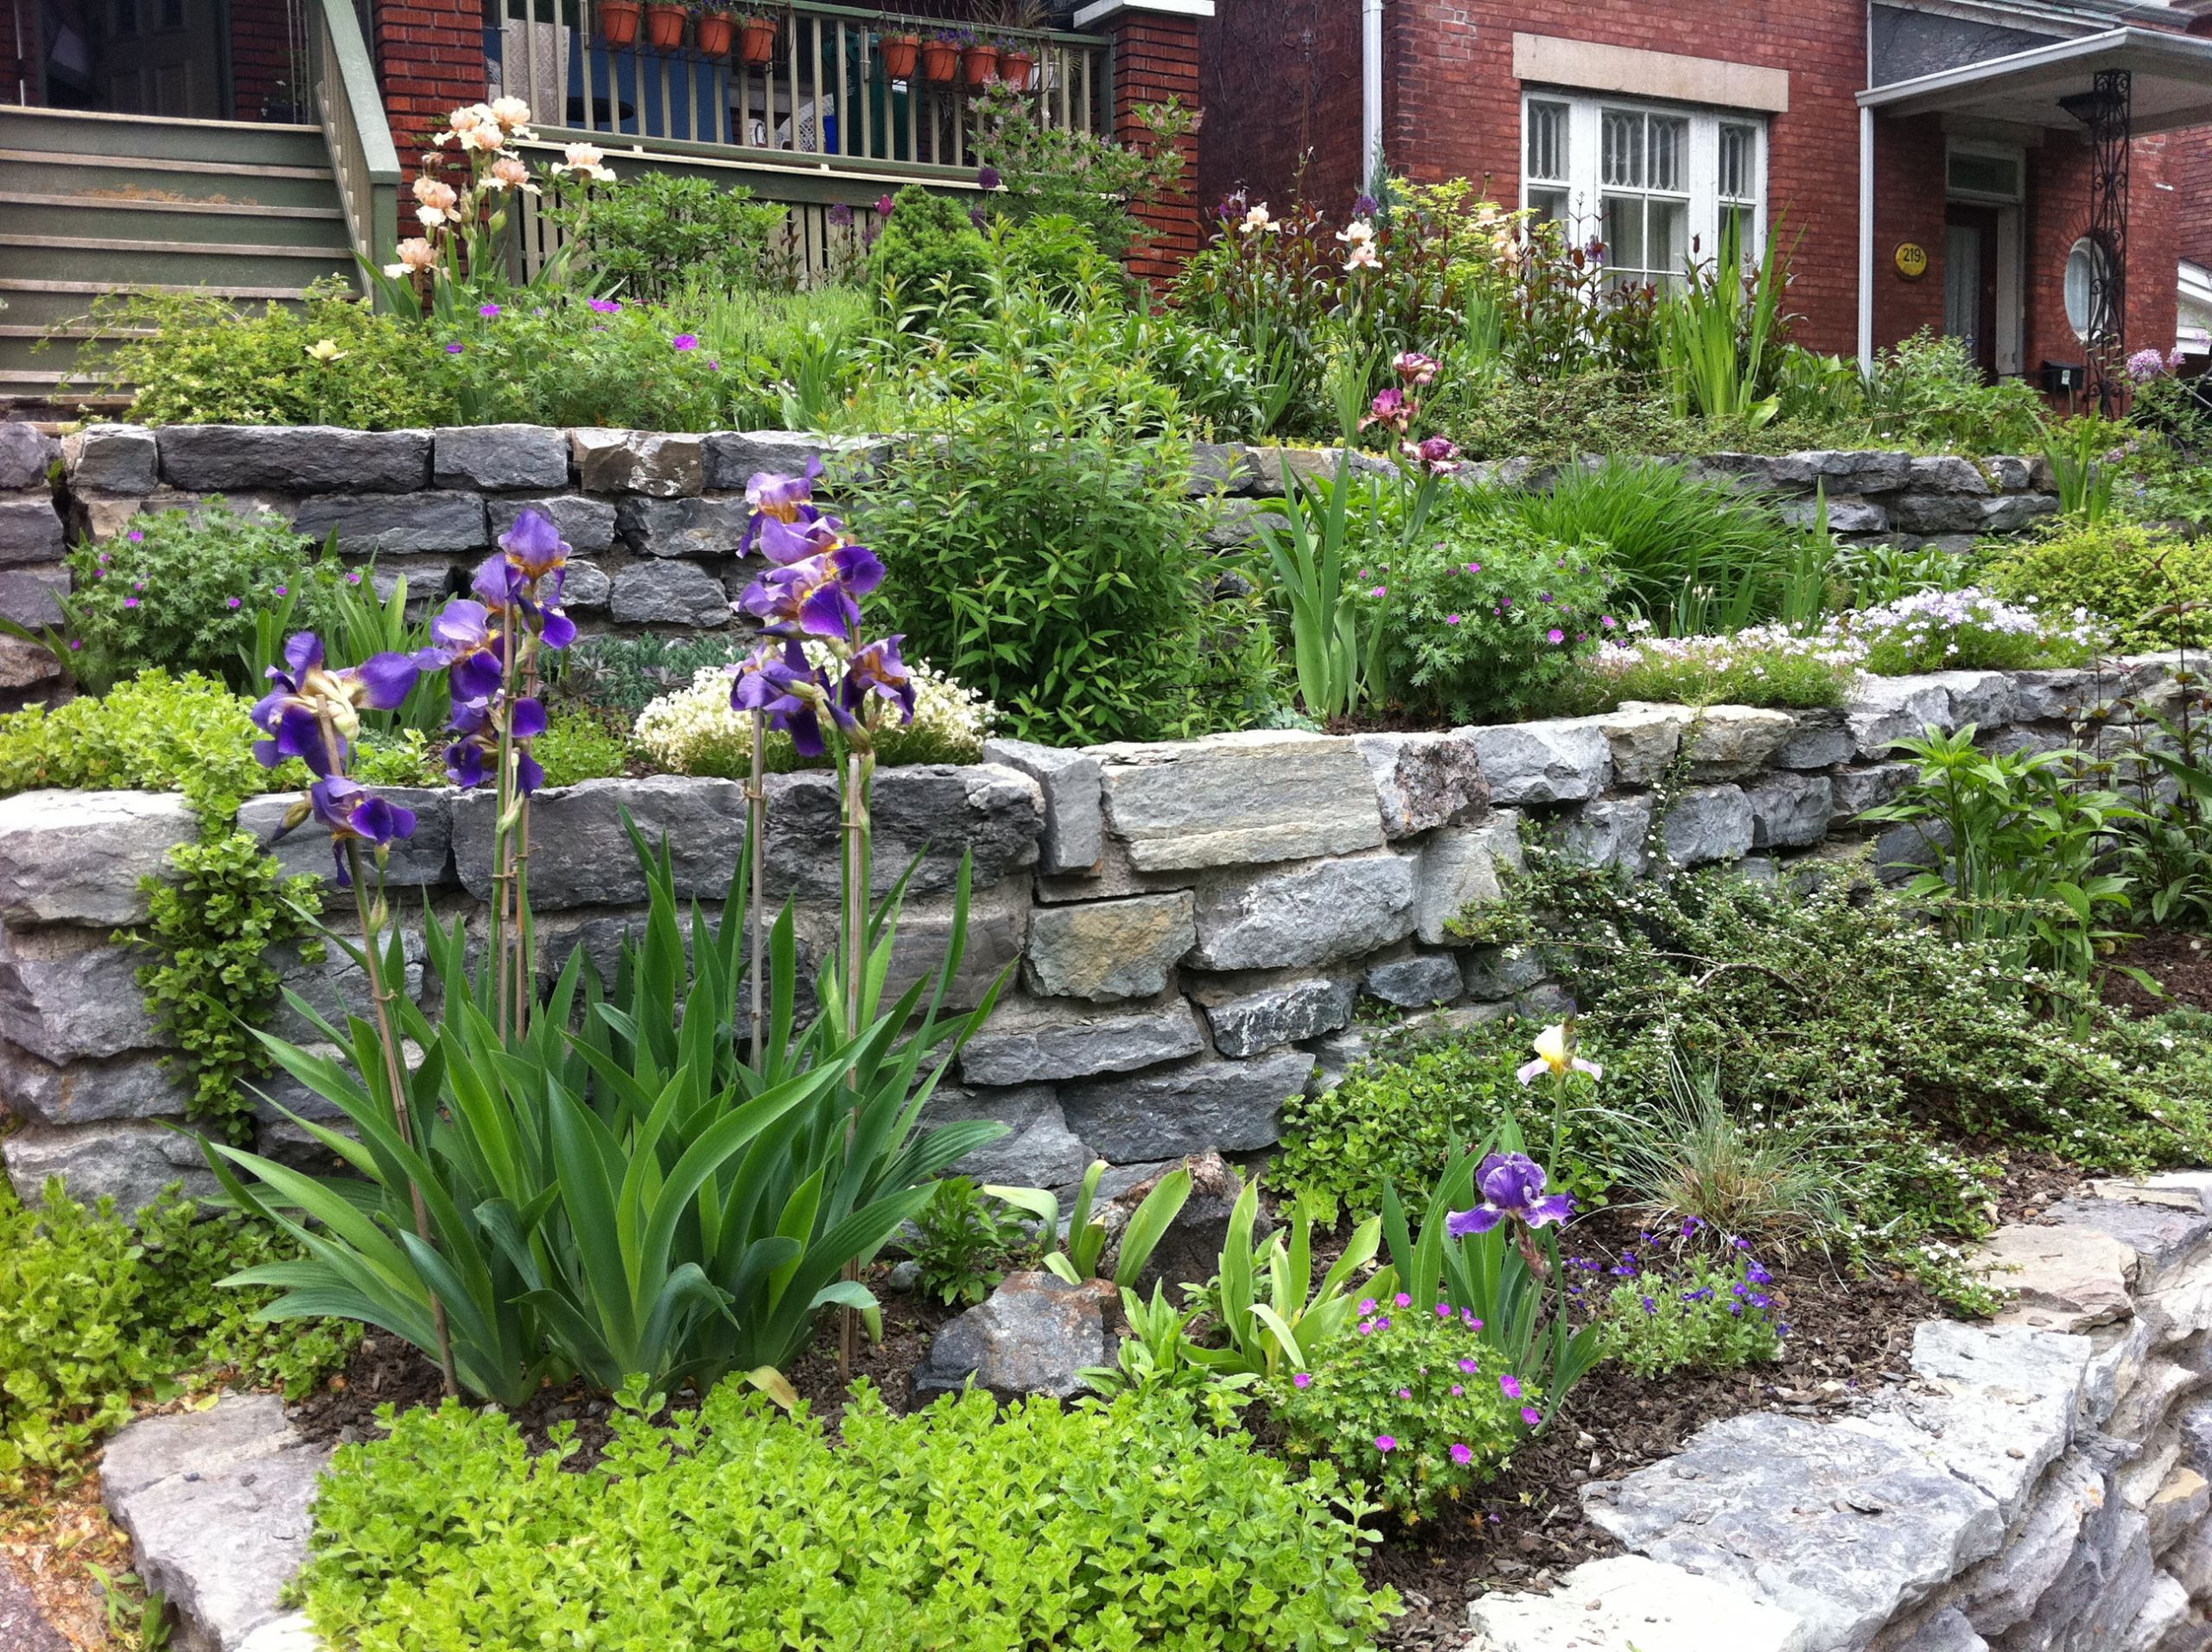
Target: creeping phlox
{"points": [[813, 592]]}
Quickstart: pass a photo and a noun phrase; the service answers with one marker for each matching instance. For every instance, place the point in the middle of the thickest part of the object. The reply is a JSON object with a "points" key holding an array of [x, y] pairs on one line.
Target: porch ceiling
{"points": [[2173, 82]]}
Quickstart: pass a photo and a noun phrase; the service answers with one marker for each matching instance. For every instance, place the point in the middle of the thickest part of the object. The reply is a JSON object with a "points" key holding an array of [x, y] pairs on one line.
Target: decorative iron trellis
{"points": [[2108, 111]]}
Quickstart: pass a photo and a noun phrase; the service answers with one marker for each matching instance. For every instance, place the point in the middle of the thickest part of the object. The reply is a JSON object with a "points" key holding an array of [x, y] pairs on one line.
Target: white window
{"points": [[1658, 186]]}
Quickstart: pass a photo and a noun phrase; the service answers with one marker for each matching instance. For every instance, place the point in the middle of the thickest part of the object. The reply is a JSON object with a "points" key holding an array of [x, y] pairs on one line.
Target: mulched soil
{"points": [[2180, 963]]}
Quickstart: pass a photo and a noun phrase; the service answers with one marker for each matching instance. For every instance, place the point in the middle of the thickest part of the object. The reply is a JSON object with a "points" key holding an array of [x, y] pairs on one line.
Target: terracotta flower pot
{"points": [[664, 26], [618, 21], [940, 62], [981, 64], [756, 42], [1015, 67], [715, 29], [899, 52]]}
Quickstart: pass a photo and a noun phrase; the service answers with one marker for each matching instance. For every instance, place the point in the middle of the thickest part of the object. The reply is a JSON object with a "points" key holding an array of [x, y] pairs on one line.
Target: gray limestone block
{"points": [[669, 594], [1110, 949], [1221, 467], [26, 665], [1495, 974], [733, 457], [77, 857], [2057, 695], [2015, 512], [1034, 1041], [1309, 914], [580, 856], [585, 524], [1036, 1334], [2001, 1592], [1982, 698], [396, 524], [27, 453], [1416, 983], [1859, 790], [1707, 823], [295, 458], [1948, 473], [1819, 741], [1249, 1022], [1625, 1601], [1643, 739], [30, 528], [135, 1086], [1239, 800], [1844, 471], [217, 1509], [2165, 1240], [32, 596], [1037, 1150], [1075, 821], [498, 458], [587, 587], [70, 994], [423, 860], [1750, 470], [1208, 1106], [1845, 515], [1458, 868], [1840, 1529], [638, 461], [1885, 710], [706, 530], [129, 1161], [1229, 523], [1609, 831], [998, 935], [1424, 781], [1790, 811], [1729, 742], [1925, 512], [1563, 760], [121, 459], [936, 811]]}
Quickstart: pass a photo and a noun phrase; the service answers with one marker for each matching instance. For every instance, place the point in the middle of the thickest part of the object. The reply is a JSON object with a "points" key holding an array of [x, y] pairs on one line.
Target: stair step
{"points": [[119, 177], [97, 200], [191, 264], [76, 133], [168, 225], [131, 247], [160, 163], [12, 331]]}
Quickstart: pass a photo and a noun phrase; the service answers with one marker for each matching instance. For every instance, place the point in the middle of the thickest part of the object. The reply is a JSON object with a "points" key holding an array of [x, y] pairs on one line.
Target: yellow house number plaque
{"points": [[1912, 260]]}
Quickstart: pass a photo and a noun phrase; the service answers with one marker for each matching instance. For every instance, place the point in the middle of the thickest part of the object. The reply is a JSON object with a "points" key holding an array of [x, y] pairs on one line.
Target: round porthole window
{"points": [[2087, 269]]}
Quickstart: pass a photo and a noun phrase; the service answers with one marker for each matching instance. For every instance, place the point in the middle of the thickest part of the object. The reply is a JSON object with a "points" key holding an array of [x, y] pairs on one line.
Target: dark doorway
{"points": [[1970, 281]]}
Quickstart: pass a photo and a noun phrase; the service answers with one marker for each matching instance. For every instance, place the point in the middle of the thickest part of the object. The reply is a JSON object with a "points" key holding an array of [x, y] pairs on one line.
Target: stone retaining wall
{"points": [[1190, 926], [656, 519], [2036, 1484]]}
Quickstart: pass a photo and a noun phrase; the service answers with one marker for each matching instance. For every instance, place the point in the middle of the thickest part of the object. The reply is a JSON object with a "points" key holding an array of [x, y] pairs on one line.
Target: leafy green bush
{"points": [[1396, 1116], [1928, 392], [1499, 414], [1761, 666], [1699, 1316], [180, 590], [1416, 1403], [153, 733], [91, 1312], [962, 1239], [1047, 172], [1091, 1529], [1484, 619], [577, 746], [656, 231], [2120, 572], [572, 361], [203, 361]]}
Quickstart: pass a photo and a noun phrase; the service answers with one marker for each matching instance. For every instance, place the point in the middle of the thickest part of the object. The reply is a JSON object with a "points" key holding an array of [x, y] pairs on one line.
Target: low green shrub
{"points": [[153, 733], [1698, 1315], [1096, 1528], [1415, 1403], [963, 1240], [1762, 665], [2123, 572], [92, 1312], [579, 746], [657, 232]]}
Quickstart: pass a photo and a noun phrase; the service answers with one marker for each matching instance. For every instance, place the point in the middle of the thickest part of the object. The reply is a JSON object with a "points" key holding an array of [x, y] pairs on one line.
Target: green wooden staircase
{"points": [[92, 204]]}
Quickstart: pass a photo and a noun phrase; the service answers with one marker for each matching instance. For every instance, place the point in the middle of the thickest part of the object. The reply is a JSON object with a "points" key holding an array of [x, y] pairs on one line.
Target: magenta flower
{"points": [[1444, 1310], [885, 205], [605, 306], [1405, 1394], [1533, 1417], [1510, 1385], [136, 537], [1415, 367], [1555, 635], [1463, 1455], [455, 347], [489, 312], [1402, 1299], [232, 603], [1451, 618], [1369, 1305], [685, 341], [130, 602], [1303, 1380], [1468, 1366], [1386, 1443]]}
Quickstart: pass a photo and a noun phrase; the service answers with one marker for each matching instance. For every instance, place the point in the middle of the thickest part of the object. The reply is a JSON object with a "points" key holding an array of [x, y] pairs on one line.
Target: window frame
{"points": [[1584, 188]]}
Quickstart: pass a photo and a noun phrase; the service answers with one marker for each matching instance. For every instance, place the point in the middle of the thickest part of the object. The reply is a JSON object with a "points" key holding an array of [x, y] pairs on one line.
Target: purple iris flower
{"points": [[353, 813], [474, 758], [776, 497], [877, 669], [1512, 1186], [818, 596], [766, 683], [306, 693], [464, 639], [786, 543], [534, 545]]}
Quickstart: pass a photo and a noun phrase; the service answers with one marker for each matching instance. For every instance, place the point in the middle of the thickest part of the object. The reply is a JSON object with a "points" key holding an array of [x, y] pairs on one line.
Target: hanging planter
{"points": [[1016, 64], [715, 32], [941, 59], [664, 26], [756, 42], [981, 64], [618, 21], [899, 53]]}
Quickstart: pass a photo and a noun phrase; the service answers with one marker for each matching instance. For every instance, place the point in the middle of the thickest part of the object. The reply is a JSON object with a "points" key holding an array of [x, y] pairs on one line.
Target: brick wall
{"points": [[2058, 215], [1156, 58], [429, 57], [1281, 86], [266, 65], [1908, 206]]}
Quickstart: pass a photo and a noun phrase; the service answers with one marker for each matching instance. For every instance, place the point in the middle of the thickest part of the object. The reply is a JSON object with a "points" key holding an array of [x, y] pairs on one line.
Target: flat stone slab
{"points": [[1239, 800], [2064, 1279], [1627, 1601], [76, 857], [2163, 1237], [217, 1506]]}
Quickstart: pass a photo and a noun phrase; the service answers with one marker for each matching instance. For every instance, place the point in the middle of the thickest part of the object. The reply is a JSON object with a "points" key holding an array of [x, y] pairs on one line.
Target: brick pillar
{"points": [[429, 58], [1155, 55]]}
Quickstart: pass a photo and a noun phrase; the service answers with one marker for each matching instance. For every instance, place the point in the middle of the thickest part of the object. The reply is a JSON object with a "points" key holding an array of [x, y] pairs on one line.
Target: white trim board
{"points": [[1548, 60]]}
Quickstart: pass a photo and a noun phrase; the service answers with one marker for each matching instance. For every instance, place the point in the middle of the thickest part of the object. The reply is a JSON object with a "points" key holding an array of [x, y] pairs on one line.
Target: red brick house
{"points": [[2026, 175]]}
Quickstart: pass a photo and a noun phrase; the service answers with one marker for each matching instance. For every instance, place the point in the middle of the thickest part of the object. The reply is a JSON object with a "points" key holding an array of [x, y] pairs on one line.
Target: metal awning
{"points": [[2173, 76]]}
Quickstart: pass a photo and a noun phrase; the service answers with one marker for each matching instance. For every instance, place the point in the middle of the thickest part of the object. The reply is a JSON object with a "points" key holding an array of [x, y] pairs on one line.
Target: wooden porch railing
{"points": [[351, 114]]}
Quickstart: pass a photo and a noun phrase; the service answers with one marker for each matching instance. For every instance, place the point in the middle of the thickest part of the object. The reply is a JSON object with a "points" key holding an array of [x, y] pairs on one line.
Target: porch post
{"points": [[1867, 243], [429, 58], [2108, 111], [1155, 57]]}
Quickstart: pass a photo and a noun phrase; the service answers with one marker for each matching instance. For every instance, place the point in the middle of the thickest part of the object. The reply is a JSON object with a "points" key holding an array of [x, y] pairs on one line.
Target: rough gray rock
{"points": [[1110, 949], [1034, 1335], [502, 458], [1309, 914], [32, 596], [1272, 1016], [294, 459], [30, 528], [1458, 868], [69, 994], [1890, 709], [1608, 831], [1496, 973], [1983, 698], [23, 1626], [76, 857], [1038, 1150], [130, 1086], [1416, 983], [2001, 1592], [677, 594], [26, 454], [1859, 790], [1643, 739], [936, 811], [2163, 1238], [121, 459], [1948, 473], [1075, 821], [2056, 696], [387, 525], [1846, 471], [217, 1506], [129, 1161], [1041, 1041], [1224, 1106], [1707, 823], [1790, 811], [1424, 781], [2068, 1278], [1627, 1601], [1820, 741], [638, 461], [707, 528], [1729, 742], [1561, 761], [1188, 1250], [734, 456], [587, 588], [586, 525], [1838, 1528], [998, 929], [580, 856], [1239, 800], [423, 860]]}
